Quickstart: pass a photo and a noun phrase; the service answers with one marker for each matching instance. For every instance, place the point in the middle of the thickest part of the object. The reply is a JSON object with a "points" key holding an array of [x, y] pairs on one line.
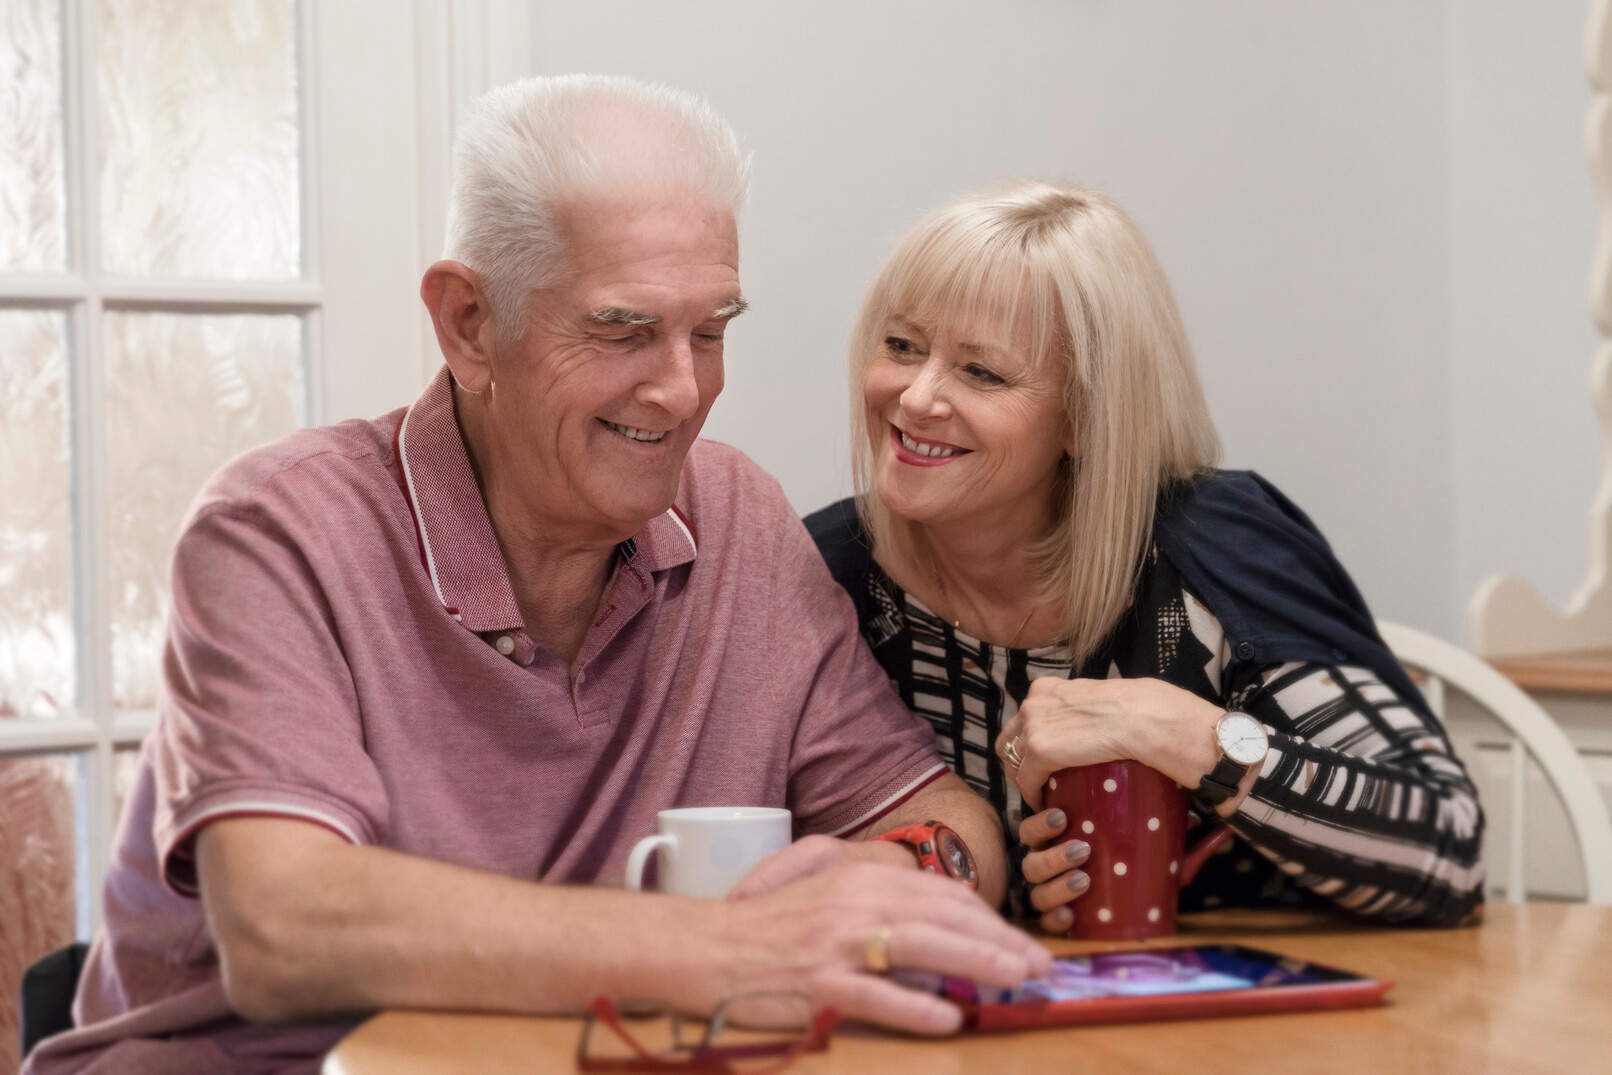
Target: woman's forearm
{"points": [[1363, 798]]}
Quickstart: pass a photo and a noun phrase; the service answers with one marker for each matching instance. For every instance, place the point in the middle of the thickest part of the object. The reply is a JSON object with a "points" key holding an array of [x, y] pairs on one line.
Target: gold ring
{"points": [[877, 952], [1011, 753]]}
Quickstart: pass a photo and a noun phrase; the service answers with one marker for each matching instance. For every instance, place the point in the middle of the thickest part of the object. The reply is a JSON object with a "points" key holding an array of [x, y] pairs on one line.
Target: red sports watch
{"points": [[939, 850]]}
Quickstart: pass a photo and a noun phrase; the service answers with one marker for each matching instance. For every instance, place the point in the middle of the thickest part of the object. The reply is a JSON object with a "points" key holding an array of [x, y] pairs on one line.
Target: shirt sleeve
{"points": [[857, 751], [258, 714], [1361, 798]]}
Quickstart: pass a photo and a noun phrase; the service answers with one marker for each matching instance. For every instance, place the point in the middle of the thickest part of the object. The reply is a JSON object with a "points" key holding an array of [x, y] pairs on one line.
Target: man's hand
{"points": [[949, 801], [812, 855], [945, 799], [816, 933]]}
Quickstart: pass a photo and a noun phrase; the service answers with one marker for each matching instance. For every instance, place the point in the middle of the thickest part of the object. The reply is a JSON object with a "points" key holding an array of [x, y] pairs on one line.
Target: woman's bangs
{"points": [[980, 292]]}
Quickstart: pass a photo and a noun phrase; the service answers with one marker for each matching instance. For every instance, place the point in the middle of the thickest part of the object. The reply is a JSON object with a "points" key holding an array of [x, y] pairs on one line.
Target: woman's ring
{"points": [[1011, 753], [877, 952]]}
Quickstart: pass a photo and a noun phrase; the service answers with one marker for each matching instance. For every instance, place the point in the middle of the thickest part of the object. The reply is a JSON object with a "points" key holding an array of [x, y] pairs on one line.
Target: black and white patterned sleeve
{"points": [[1361, 799]]}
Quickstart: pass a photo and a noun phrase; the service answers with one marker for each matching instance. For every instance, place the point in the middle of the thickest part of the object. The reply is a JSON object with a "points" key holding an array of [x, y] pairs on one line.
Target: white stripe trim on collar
{"points": [[693, 547], [414, 505]]}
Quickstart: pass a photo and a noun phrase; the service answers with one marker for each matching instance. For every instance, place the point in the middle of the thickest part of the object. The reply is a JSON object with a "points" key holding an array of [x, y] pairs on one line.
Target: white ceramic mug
{"points": [[705, 850]]}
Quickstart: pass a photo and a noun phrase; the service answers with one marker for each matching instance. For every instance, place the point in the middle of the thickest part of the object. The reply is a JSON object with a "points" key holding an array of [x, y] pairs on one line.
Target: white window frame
{"points": [[378, 83], [85, 293]]}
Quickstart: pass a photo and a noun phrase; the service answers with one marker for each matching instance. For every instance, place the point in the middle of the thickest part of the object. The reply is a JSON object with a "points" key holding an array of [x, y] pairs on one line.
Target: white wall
{"points": [[1527, 445], [1297, 166]]}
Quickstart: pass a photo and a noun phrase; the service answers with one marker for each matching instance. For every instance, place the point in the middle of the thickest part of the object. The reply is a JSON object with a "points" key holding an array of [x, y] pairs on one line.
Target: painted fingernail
{"points": [[1056, 819], [1076, 850], [1078, 882], [1062, 917]]}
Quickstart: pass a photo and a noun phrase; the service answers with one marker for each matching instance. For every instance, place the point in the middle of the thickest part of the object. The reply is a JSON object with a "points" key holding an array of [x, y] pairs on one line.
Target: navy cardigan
{"points": [[1249, 553]]}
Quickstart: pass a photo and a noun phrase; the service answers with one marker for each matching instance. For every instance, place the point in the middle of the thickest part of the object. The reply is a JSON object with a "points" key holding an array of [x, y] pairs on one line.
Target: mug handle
{"points": [[640, 857], [1211, 837]]}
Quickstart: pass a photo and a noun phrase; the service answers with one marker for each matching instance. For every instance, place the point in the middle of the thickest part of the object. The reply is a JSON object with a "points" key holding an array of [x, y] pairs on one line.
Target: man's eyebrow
{"points": [[731, 309], [619, 315]]}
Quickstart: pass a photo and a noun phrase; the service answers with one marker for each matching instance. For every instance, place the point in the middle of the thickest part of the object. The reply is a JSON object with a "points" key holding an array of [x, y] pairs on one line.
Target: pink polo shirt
{"points": [[345, 649]]}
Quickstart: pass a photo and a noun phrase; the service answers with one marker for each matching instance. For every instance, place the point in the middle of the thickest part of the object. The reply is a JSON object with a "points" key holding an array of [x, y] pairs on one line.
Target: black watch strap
{"points": [[1221, 783]]}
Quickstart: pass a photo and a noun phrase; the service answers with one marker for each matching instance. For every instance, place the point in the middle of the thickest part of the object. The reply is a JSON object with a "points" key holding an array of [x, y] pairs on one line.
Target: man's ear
{"points": [[462, 318]]}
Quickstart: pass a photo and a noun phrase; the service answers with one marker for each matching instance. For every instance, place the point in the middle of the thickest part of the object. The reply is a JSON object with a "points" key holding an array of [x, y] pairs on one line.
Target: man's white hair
{"points": [[526, 150]]}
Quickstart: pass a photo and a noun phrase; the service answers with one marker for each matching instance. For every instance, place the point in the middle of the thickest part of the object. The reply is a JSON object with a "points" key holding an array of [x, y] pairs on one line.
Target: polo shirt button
{"points": [[1245, 651], [582, 677], [505, 644]]}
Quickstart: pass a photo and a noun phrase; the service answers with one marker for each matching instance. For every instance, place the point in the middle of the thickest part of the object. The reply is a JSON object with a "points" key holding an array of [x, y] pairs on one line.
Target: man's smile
{"points": [[646, 436]]}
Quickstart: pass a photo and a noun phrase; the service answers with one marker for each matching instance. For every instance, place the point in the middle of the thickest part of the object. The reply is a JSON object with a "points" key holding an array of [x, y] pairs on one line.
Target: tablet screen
{"points": [[1157, 972]]}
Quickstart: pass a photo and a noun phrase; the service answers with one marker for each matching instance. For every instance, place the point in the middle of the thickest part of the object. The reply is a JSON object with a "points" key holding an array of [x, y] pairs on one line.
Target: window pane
{"points": [[199, 138], [38, 873], [37, 653], [184, 394], [33, 194]]}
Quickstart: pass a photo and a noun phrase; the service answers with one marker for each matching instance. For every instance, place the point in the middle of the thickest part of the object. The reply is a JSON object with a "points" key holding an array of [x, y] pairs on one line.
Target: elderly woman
{"points": [[1053, 573]]}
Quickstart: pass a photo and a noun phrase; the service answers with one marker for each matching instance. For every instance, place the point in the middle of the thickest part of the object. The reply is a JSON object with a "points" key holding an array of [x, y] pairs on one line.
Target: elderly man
{"points": [[419, 664]]}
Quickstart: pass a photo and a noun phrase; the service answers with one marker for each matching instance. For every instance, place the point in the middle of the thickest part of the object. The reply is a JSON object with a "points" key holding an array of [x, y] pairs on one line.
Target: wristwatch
{"points": [[939, 850], [1243, 744]]}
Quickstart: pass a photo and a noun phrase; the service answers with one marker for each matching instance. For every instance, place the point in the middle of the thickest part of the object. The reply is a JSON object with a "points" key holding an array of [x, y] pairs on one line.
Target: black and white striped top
{"points": [[1360, 801]]}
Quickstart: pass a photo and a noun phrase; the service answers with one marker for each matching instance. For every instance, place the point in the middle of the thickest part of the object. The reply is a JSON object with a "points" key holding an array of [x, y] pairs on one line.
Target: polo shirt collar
{"points": [[666, 541], [457, 544]]}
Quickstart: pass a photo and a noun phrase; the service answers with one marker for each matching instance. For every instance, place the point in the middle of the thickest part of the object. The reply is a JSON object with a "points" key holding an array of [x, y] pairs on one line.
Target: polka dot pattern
{"points": [[1127, 813]]}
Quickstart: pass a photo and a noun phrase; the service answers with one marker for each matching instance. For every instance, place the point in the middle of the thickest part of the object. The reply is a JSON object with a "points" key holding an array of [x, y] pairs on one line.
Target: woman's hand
{"points": [[1067, 722], [1052, 868]]}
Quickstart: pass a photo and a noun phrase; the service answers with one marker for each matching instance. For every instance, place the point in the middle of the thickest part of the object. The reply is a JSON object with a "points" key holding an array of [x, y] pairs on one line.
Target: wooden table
{"points": [[1529, 991]]}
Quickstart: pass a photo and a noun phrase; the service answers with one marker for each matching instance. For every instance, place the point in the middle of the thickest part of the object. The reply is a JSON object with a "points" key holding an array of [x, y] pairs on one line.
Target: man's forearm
{"points": [[309, 927], [379, 929], [949, 801]]}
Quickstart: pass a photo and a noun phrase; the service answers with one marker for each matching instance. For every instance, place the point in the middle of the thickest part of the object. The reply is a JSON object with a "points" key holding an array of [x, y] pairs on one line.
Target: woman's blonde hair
{"points": [[1068, 270]]}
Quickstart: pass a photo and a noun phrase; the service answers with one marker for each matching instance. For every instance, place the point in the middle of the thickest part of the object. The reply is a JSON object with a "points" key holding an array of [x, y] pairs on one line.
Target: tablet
{"points": [[1143, 984]]}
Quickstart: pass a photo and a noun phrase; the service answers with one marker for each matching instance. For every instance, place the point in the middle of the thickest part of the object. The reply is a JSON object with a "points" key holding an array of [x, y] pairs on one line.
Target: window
{"points": [[190, 215]]}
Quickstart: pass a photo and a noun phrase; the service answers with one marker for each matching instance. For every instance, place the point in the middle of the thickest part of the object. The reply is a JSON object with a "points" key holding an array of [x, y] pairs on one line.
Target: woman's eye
{"points": [[983, 375], [899, 345]]}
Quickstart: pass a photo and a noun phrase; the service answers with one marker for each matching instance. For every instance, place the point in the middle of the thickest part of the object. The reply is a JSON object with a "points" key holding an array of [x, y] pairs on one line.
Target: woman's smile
{"points": [[919, 452]]}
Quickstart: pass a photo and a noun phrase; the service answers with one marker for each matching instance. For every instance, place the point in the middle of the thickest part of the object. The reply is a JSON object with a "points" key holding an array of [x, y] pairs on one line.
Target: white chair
{"points": [[1535, 734]]}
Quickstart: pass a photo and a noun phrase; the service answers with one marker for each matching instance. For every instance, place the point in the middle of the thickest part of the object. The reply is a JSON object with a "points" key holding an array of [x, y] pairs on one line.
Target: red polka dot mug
{"points": [[1135, 819]]}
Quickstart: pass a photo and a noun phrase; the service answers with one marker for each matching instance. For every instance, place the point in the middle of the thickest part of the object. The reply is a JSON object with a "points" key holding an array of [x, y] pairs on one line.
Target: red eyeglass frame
{"points": [[701, 1058]]}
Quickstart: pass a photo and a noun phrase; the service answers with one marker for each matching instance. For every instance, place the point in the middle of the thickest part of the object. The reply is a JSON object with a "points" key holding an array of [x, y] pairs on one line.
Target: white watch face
{"points": [[1242, 738]]}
